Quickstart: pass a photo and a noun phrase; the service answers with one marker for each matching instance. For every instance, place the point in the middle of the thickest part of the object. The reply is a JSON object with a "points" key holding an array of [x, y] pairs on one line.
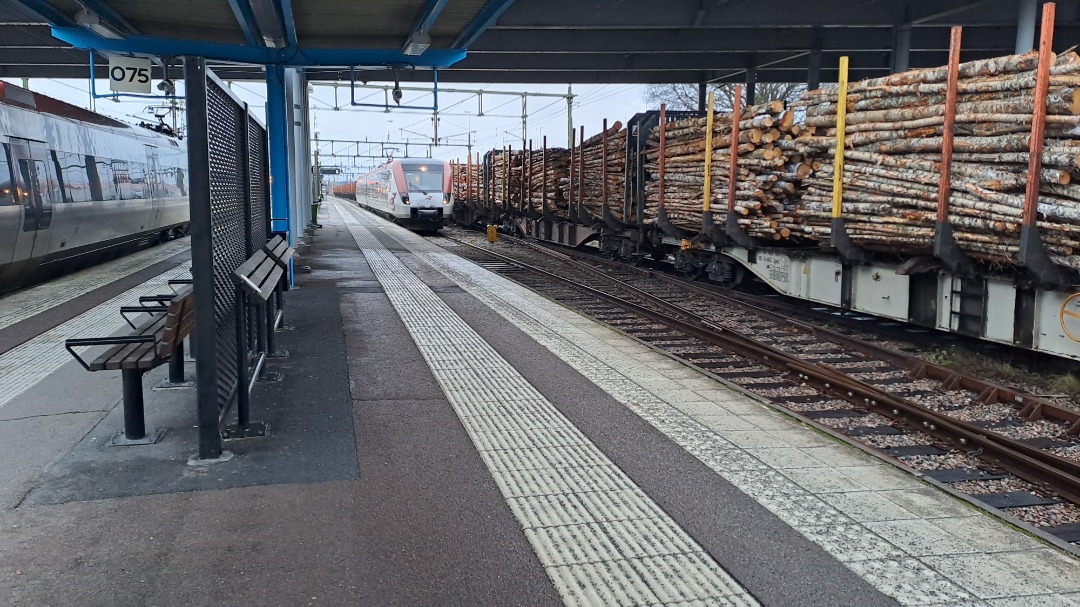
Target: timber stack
{"points": [[546, 171], [468, 187], [591, 154], [506, 178], [769, 171], [893, 142]]}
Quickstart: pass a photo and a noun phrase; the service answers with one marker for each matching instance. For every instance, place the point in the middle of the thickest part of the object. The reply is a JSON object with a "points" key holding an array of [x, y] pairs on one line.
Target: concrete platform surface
{"points": [[442, 436]]}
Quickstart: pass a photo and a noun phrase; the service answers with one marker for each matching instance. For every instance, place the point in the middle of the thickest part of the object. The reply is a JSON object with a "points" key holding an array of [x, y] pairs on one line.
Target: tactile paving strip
{"points": [[24, 366], [600, 538], [35, 300], [1015, 562]]}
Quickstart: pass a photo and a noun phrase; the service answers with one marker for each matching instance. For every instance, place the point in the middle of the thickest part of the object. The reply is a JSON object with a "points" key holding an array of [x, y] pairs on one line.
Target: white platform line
{"points": [[578, 531]]}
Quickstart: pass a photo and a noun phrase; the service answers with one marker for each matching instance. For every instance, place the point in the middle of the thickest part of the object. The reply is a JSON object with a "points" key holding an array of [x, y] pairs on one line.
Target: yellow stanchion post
{"points": [[838, 158]]}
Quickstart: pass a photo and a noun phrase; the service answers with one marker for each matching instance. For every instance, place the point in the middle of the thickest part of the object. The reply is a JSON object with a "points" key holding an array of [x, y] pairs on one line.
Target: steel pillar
{"points": [[813, 70], [751, 86], [1025, 25], [901, 54], [277, 128], [702, 89]]}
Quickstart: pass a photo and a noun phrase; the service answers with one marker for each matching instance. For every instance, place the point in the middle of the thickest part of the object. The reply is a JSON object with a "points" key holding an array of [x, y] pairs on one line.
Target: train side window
{"points": [[7, 184], [75, 177], [107, 180], [136, 186]]}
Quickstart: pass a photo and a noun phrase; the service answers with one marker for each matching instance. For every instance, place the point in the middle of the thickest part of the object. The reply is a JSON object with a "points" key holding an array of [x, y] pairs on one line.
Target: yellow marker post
{"points": [[841, 124], [492, 233], [706, 205]]}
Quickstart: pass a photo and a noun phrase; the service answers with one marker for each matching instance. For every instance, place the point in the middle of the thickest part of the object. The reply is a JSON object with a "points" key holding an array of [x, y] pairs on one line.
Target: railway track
{"points": [[1010, 451]]}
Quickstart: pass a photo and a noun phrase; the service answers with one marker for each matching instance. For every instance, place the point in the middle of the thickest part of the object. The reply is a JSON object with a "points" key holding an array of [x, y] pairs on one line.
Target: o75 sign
{"points": [[129, 75]]}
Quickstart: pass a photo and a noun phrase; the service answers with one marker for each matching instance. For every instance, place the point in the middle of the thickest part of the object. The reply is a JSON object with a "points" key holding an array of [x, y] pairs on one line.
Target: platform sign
{"points": [[129, 75]]}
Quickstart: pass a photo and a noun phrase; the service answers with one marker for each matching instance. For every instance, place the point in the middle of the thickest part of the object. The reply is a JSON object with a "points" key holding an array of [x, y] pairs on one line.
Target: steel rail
{"points": [[1044, 469]]}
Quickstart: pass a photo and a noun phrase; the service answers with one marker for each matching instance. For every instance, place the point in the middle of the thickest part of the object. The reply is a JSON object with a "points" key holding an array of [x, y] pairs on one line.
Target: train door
{"points": [[11, 216], [152, 186], [38, 188]]}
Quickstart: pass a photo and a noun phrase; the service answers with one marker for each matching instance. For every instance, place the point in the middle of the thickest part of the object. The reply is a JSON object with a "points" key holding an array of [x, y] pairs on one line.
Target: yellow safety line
{"points": [[841, 124], [706, 205]]}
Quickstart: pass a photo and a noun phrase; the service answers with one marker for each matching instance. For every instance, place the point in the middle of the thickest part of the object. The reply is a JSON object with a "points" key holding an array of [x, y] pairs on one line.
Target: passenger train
{"points": [[412, 192], [77, 188]]}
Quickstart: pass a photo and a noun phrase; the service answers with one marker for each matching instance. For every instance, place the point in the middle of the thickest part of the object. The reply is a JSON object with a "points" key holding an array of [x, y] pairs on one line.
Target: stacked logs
{"points": [[546, 170], [505, 180], [769, 171], [467, 185], [894, 138], [589, 155]]}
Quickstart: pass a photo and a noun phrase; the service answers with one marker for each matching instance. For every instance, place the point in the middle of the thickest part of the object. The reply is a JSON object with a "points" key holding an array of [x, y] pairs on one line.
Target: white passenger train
{"points": [[412, 192], [77, 188]]}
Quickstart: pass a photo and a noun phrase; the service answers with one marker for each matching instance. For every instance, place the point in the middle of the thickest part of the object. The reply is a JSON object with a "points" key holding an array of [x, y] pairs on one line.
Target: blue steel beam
{"points": [[277, 130], [246, 19], [428, 16], [483, 20], [83, 38], [284, 8]]}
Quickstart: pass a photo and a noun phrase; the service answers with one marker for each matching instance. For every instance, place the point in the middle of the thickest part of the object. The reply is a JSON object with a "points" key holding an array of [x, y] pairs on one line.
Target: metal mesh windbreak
{"points": [[260, 199], [228, 234]]}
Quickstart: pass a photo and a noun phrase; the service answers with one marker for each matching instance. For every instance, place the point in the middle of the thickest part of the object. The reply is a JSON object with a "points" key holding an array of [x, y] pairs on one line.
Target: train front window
{"points": [[425, 179]]}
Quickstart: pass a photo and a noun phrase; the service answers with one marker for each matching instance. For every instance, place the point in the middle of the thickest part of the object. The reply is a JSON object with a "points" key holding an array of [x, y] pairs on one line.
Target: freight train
{"points": [[412, 192], [610, 197], [77, 188]]}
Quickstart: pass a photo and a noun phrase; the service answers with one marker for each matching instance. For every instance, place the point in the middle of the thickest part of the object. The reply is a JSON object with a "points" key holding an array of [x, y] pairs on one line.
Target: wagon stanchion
{"points": [[732, 228], [1032, 253], [839, 238], [945, 247]]}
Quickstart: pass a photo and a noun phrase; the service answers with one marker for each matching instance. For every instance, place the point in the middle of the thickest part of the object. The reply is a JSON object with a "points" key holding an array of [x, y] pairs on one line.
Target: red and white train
{"points": [[413, 192]]}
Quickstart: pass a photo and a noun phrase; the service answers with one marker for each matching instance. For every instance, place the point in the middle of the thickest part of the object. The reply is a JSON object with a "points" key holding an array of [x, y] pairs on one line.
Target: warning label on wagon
{"points": [[777, 267]]}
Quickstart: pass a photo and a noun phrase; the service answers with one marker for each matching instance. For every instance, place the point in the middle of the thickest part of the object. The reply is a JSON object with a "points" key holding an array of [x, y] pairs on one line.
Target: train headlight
{"points": [[404, 199], [446, 199]]}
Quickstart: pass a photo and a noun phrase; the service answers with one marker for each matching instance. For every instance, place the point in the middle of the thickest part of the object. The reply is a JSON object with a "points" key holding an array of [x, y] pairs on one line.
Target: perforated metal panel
{"points": [[228, 209], [227, 161], [259, 203]]}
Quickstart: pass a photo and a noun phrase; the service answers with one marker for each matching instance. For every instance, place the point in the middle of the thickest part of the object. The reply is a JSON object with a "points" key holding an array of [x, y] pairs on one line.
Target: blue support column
{"points": [[277, 128]]}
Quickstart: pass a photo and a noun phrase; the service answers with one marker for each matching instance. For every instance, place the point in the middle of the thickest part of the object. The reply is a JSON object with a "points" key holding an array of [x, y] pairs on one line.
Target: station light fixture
{"points": [[93, 23], [418, 43]]}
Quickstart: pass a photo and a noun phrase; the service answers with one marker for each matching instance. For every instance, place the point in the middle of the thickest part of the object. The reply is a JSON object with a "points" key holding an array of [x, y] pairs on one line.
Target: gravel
{"points": [[1043, 428], [949, 461], [828, 405], [888, 441], [846, 423], [1001, 485], [780, 393], [1048, 516]]}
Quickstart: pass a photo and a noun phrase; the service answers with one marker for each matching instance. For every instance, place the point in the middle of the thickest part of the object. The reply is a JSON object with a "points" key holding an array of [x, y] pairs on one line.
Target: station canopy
{"points": [[534, 41]]}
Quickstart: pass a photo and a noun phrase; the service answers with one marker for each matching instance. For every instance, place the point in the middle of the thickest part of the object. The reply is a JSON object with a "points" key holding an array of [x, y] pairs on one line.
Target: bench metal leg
{"points": [[134, 420], [134, 417], [176, 364]]}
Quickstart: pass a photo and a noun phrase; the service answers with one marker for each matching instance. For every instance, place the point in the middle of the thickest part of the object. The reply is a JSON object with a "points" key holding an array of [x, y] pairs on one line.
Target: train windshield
{"points": [[424, 178]]}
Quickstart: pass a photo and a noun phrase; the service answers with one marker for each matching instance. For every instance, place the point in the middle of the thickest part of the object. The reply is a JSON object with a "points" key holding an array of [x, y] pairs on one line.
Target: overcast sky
{"points": [[501, 124]]}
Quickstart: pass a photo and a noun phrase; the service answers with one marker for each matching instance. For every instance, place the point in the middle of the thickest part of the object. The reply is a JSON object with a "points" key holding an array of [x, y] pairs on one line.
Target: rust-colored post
{"points": [[581, 172], [945, 184], [1033, 256], [1038, 122], [468, 176], [506, 178], [733, 169], [543, 179], [571, 183], [663, 143], [603, 167]]}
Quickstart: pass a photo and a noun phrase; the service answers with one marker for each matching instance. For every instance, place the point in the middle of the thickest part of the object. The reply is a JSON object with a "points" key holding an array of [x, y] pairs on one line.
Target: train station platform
{"points": [[443, 436]]}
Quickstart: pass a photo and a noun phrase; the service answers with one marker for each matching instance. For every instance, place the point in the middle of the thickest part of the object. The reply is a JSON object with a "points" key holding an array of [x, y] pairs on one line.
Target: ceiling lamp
{"points": [[417, 44], [93, 23]]}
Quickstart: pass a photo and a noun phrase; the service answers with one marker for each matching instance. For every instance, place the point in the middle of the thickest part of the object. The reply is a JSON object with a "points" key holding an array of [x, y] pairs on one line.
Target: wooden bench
{"points": [[258, 280], [152, 342]]}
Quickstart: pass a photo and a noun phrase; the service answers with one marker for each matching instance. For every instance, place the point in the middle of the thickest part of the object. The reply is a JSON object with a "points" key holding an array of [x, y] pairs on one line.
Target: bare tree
{"points": [[685, 96]]}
